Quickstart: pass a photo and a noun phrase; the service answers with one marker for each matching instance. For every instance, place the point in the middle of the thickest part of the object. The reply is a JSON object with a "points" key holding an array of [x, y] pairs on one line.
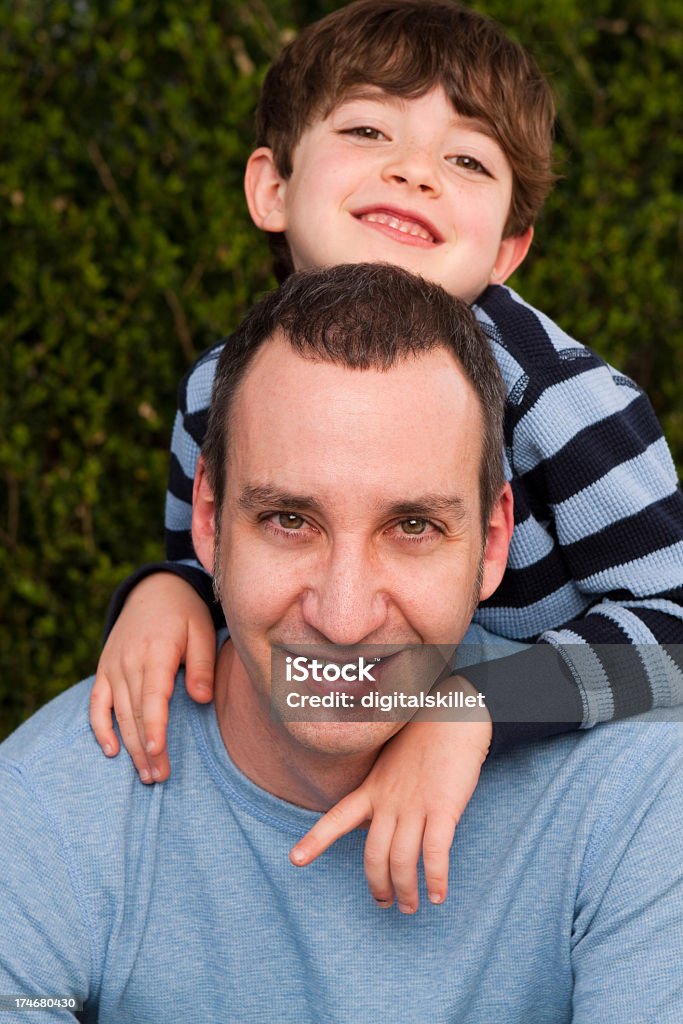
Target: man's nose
{"points": [[413, 166], [348, 602]]}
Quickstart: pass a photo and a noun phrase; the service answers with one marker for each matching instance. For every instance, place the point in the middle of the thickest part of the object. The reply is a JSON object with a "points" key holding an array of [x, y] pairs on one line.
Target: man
{"points": [[351, 495]]}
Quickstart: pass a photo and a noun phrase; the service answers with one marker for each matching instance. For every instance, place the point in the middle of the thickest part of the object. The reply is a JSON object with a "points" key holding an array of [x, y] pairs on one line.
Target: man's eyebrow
{"points": [[254, 498], [428, 505]]}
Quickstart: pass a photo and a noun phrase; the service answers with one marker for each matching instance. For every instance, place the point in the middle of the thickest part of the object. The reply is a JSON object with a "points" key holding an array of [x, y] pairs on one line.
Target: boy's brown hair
{"points": [[406, 48]]}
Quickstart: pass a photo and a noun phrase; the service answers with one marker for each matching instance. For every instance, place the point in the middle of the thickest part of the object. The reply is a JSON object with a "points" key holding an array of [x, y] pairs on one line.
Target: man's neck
{"points": [[267, 754]]}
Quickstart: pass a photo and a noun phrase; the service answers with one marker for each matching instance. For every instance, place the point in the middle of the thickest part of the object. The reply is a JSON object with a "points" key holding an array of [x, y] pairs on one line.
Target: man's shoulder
{"points": [[626, 762], [55, 753], [62, 725]]}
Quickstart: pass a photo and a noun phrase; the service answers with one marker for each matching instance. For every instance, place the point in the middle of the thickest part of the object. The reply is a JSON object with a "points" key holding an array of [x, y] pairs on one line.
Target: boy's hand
{"points": [[413, 798], [163, 623]]}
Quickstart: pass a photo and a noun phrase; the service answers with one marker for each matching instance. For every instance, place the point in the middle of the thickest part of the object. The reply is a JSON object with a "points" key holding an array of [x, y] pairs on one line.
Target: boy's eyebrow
{"points": [[257, 497], [373, 93]]}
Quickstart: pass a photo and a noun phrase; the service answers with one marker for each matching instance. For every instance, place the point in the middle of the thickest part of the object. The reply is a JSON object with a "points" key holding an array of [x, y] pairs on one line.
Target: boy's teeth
{"points": [[406, 227]]}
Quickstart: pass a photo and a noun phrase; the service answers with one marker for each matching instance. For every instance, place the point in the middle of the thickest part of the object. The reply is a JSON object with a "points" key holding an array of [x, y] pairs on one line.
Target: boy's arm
{"points": [[189, 428], [596, 562], [163, 623]]}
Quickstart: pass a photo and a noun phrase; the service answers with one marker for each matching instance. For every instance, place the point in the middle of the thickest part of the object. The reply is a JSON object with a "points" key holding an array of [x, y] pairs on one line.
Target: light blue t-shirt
{"points": [[177, 902]]}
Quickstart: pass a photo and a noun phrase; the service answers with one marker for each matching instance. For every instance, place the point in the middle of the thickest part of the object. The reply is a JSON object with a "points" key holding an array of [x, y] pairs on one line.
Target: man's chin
{"points": [[342, 739]]}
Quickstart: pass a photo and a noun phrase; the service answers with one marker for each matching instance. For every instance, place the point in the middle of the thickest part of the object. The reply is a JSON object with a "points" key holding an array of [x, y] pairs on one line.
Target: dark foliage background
{"points": [[127, 249]]}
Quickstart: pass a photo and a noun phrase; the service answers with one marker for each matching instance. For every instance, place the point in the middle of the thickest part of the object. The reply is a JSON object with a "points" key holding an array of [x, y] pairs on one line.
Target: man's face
{"points": [[351, 516], [402, 181]]}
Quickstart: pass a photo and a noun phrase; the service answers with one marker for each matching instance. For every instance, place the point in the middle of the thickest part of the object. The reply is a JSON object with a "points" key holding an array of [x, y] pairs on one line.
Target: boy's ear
{"points": [[265, 191], [512, 252], [501, 525], [203, 517]]}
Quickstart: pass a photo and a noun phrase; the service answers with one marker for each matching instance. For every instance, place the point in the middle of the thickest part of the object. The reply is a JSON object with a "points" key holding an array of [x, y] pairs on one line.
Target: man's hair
{"points": [[406, 48], [363, 316]]}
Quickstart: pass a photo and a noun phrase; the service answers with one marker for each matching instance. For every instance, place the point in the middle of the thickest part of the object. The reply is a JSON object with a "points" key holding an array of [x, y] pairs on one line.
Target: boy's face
{"points": [[401, 181]]}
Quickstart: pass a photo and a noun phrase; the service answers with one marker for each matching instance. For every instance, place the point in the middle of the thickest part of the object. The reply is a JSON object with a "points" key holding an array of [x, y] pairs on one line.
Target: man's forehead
{"points": [[402, 441]]}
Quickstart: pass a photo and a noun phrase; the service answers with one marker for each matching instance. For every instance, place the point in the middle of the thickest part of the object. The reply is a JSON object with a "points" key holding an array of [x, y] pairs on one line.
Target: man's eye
{"points": [[290, 521], [414, 527], [469, 163], [364, 131]]}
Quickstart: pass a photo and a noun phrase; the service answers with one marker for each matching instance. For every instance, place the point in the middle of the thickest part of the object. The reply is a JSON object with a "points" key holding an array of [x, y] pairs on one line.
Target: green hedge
{"points": [[127, 250]]}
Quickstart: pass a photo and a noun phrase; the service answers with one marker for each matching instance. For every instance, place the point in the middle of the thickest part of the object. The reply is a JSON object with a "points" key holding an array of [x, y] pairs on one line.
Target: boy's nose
{"points": [[415, 168]]}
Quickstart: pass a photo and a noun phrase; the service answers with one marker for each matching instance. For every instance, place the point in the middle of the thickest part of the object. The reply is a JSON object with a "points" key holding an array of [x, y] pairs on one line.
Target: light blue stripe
{"points": [[661, 570], [624, 491], [589, 674], [561, 606], [185, 448], [656, 604], [200, 384], [530, 543], [634, 627], [178, 513], [565, 409]]}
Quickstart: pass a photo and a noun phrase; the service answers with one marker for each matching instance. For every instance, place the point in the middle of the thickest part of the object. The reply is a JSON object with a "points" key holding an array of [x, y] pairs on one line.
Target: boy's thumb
{"points": [[200, 664]]}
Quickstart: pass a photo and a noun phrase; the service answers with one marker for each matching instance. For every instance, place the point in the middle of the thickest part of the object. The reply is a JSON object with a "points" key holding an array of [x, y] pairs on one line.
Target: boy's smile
{"points": [[402, 181]]}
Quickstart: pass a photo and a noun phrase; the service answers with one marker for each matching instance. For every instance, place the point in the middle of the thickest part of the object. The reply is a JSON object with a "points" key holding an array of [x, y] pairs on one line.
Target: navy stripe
{"points": [[521, 587], [196, 425], [616, 439], [515, 321], [656, 527], [600, 629], [179, 546], [179, 485], [631, 691], [667, 628]]}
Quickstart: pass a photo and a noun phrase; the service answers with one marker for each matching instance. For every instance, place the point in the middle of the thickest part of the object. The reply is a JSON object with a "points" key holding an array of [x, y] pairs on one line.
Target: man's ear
{"points": [[203, 517], [265, 191], [501, 525], [512, 252]]}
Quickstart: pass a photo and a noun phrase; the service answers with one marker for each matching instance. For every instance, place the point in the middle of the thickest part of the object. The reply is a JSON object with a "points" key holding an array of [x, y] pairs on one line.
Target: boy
{"points": [[416, 133]]}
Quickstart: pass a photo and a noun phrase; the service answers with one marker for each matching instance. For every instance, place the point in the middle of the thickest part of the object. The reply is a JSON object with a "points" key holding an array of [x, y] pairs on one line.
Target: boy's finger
{"points": [[376, 859], [101, 703], [403, 859], [200, 663], [157, 688], [349, 813], [130, 728], [436, 848]]}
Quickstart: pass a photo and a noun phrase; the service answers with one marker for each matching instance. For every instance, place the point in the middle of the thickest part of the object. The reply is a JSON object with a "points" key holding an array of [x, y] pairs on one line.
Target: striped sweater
{"points": [[595, 575]]}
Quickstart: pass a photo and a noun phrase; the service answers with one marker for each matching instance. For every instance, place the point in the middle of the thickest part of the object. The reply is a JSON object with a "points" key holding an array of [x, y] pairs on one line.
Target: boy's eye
{"points": [[364, 131], [468, 163]]}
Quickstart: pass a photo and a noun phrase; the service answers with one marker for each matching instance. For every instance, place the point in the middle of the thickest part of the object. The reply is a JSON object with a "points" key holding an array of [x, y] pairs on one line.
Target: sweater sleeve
{"points": [[189, 429], [596, 562]]}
